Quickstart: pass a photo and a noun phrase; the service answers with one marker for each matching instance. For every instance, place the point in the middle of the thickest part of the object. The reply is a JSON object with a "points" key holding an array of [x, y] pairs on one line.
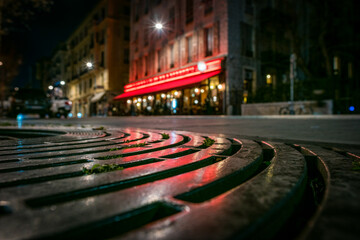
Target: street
{"points": [[333, 129]]}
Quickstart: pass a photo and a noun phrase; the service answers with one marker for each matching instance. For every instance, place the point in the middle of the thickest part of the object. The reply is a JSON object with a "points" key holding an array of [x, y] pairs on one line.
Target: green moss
{"points": [[114, 149], [165, 135], [111, 157], [97, 168], [208, 142], [356, 165], [136, 145]]}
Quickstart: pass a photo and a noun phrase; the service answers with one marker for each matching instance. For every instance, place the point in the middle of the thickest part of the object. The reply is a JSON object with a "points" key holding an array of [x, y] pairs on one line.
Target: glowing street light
{"points": [[89, 65], [62, 83], [159, 26], [51, 87]]}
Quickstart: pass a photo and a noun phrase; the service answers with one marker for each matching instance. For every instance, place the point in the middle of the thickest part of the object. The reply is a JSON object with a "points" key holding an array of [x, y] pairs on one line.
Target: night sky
{"points": [[49, 29]]}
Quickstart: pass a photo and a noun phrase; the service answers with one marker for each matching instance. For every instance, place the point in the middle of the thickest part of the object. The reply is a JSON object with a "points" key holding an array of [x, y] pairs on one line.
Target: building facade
{"points": [[97, 62], [186, 57]]}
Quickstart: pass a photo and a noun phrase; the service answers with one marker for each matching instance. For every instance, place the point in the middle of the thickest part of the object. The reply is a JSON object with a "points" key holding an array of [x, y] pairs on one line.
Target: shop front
{"points": [[197, 89]]}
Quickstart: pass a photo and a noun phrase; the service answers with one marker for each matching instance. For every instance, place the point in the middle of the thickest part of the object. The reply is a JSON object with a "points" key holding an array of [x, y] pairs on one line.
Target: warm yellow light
{"points": [[163, 95], [89, 65], [150, 98], [268, 76], [139, 99], [202, 90], [128, 101], [219, 86], [51, 87], [176, 93], [196, 90], [138, 104], [211, 86]]}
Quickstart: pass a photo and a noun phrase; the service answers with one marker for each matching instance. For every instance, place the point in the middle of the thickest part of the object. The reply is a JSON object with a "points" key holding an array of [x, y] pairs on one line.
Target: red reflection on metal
{"points": [[181, 74]]}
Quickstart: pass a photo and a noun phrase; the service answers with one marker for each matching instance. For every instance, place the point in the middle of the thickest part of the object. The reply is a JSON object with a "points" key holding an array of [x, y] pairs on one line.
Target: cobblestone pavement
{"points": [[148, 178]]}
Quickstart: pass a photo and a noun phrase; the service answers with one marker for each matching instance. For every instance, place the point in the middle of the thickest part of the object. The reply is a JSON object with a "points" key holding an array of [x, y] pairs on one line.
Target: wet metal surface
{"points": [[171, 185]]}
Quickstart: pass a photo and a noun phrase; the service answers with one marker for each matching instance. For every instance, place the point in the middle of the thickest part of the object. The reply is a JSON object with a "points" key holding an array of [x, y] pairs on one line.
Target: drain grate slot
{"points": [[222, 185], [72, 174], [231, 151], [119, 224], [59, 164], [142, 162], [185, 140], [181, 154], [106, 188], [40, 179]]}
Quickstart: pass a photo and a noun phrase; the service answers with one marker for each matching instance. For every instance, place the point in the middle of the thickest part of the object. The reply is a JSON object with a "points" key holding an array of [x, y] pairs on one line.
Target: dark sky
{"points": [[49, 29]]}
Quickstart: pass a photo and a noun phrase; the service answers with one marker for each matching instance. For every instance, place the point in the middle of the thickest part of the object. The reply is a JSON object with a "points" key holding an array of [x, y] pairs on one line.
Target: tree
{"points": [[15, 19]]}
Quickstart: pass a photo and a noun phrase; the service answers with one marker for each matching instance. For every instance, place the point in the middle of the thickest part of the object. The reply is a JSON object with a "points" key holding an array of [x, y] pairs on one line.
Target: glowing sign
{"points": [[191, 71]]}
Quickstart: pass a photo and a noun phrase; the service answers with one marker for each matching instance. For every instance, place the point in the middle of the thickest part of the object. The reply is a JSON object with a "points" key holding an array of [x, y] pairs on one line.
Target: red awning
{"points": [[169, 85]]}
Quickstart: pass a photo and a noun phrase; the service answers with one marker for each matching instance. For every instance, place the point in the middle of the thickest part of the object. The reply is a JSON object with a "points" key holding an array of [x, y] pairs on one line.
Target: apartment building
{"points": [[185, 57], [97, 59]]}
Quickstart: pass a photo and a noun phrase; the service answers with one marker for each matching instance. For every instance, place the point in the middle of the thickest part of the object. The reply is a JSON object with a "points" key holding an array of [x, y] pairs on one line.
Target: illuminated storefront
{"points": [[196, 89]]}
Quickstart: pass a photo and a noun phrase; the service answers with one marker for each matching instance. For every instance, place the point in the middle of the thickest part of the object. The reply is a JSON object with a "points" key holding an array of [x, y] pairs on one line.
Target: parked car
{"points": [[27, 101], [60, 106]]}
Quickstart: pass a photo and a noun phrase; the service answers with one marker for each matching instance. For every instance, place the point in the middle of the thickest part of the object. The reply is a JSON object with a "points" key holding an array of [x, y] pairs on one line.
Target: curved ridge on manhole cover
{"points": [[150, 184]]}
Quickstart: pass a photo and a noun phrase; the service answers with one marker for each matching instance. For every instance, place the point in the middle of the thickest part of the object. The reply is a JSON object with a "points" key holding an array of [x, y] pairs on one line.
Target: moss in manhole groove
{"points": [[98, 168], [356, 165], [165, 135]]}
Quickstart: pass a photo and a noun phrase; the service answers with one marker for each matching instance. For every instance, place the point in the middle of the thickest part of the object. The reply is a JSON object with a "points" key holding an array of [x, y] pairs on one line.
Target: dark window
{"points": [[146, 7], [172, 19], [102, 14], [208, 6], [126, 10], [146, 36], [126, 33], [102, 63], [189, 11], [136, 12], [92, 40], [172, 56], [209, 41], [126, 56], [158, 61], [249, 8], [247, 48], [146, 63], [90, 83]]}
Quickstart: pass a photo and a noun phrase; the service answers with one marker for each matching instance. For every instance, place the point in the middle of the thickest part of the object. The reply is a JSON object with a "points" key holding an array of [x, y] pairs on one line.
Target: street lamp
{"points": [[159, 26], [50, 87], [89, 65], [62, 83]]}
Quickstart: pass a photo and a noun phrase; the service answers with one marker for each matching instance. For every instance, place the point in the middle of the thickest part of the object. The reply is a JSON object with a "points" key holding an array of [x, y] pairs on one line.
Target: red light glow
{"points": [[211, 66]]}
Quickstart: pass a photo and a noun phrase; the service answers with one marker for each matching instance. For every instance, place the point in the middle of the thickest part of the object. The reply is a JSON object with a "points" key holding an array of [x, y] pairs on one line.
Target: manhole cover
{"points": [[150, 184]]}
